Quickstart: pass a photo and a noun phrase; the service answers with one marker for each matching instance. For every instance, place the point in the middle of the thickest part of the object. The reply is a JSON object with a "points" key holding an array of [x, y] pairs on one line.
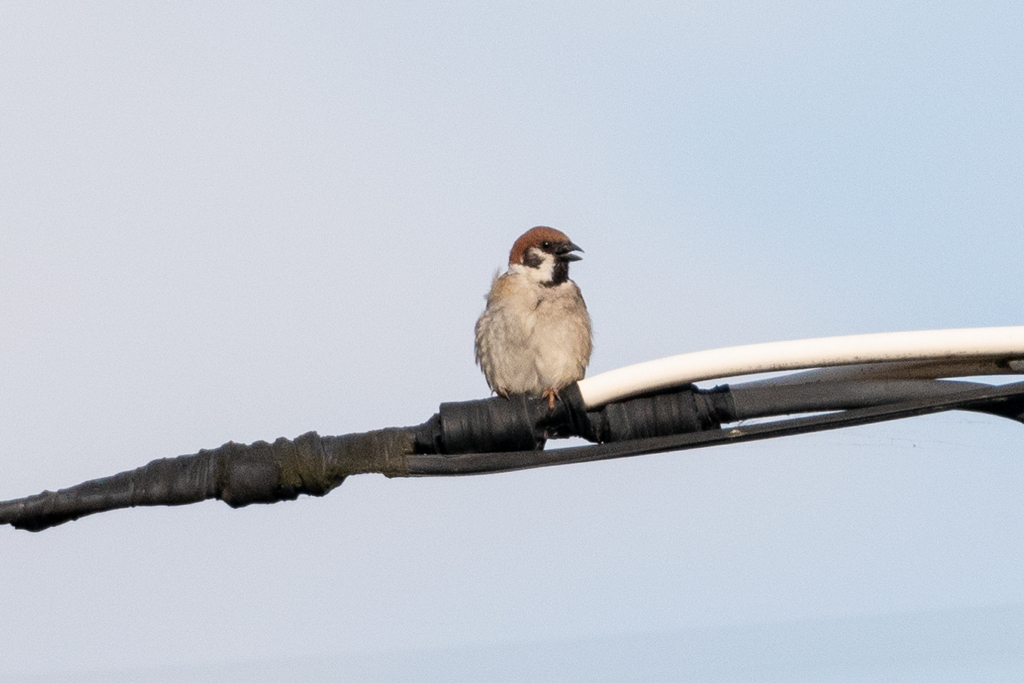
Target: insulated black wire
{"points": [[1005, 401], [262, 472]]}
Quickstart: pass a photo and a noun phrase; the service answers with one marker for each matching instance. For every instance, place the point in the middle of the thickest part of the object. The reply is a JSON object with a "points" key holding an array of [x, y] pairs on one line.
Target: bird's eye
{"points": [[545, 245]]}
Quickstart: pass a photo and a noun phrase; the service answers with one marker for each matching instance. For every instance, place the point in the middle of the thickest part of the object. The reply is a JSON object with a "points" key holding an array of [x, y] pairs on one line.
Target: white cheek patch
{"points": [[543, 272]]}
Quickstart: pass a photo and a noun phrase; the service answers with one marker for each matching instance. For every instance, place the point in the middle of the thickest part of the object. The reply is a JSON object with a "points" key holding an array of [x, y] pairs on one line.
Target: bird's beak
{"points": [[565, 252]]}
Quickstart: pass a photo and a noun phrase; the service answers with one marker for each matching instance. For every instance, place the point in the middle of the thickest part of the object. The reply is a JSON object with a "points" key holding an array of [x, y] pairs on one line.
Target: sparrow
{"points": [[534, 335]]}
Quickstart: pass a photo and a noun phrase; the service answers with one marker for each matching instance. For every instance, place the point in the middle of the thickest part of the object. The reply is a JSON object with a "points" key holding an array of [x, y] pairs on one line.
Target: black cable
{"points": [[514, 430], [1005, 401], [756, 399]]}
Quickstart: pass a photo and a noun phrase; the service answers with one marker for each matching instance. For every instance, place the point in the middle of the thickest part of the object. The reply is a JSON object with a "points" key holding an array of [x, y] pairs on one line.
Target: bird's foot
{"points": [[550, 395]]}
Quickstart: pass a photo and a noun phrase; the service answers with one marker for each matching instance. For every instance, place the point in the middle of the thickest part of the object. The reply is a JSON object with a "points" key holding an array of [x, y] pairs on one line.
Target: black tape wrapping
{"points": [[523, 423], [238, 474], [500, 434]]}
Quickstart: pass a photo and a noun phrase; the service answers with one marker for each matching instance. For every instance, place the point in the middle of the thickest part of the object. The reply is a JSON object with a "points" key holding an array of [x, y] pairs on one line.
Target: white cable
{"points": [[991, 343]]}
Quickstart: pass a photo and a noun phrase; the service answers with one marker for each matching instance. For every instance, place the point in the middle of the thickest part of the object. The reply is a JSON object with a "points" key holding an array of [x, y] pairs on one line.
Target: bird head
{"points": [[544, 254]]}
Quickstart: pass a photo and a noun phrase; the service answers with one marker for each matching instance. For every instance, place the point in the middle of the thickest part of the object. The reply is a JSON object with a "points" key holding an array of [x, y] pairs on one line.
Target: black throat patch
{"points": [[559, 275]]}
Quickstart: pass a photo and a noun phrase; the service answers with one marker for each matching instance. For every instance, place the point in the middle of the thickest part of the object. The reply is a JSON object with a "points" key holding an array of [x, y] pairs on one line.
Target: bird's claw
{"points": [[550, 395]]}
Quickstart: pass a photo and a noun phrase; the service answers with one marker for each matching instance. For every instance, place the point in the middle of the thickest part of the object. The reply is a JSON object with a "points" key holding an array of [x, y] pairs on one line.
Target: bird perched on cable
{"points": [[534, 336]]}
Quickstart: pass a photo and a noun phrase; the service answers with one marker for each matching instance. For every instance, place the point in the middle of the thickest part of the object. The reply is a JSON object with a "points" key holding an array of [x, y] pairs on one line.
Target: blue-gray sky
{"points": [[237, 221]]}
